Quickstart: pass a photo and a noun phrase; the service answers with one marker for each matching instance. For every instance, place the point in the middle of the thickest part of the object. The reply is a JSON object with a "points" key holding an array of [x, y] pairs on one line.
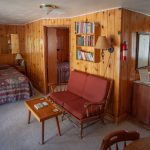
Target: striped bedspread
{"points": [[14, 86]]}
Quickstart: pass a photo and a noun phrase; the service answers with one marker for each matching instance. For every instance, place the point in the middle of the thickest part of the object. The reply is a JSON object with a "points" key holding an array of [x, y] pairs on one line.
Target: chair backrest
{"points": [[118, 136]]}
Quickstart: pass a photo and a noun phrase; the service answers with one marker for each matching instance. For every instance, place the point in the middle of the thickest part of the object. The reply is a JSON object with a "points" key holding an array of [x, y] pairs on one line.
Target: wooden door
{"points": [[62, 44], [52, 55]]}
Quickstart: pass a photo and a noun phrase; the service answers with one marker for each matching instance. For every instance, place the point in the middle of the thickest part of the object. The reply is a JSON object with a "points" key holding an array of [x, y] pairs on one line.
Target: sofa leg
{"points": [[102, 119], [63, 115], [81, 131]]}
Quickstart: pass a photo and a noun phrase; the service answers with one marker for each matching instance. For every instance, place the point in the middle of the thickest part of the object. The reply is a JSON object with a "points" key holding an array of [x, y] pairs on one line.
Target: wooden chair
{"points": [[118, 136]]}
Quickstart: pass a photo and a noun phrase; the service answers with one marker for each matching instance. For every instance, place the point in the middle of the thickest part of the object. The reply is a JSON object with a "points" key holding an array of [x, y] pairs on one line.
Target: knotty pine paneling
{"points": [[8, 59], [35, 53], [117, 24], [132, 22], [110, 26], [12, 29]]}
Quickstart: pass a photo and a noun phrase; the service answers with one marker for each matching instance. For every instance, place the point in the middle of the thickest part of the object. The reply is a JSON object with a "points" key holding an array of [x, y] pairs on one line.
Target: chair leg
{"points": [[62, 117], [81, 131]]}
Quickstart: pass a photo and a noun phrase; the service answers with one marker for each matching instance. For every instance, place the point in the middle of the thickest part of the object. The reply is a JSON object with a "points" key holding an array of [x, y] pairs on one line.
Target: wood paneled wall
{"points": [[110, 26], [8, 59], [117, 24], [35, 54], [132, 22], [12, 29]]}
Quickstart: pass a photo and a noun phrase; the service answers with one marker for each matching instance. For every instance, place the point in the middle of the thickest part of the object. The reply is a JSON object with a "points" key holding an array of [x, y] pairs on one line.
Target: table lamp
{"points": [[18, 59]]}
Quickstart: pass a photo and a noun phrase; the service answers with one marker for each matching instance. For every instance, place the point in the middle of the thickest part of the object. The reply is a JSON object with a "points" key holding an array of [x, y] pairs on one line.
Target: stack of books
{"points": [[82, 55], [85, 41], [84, 27]]}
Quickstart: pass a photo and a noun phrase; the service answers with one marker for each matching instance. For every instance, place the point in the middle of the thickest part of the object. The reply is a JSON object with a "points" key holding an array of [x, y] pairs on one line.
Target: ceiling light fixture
{"points": [[48, 7]]}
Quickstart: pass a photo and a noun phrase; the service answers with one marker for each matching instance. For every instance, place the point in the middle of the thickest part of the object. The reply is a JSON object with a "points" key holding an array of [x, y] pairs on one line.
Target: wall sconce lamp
{"points": [[102, 43]]}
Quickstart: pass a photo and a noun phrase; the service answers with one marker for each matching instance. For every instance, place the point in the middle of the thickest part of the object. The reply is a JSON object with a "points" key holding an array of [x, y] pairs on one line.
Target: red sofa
{"points": [[85, 97]]}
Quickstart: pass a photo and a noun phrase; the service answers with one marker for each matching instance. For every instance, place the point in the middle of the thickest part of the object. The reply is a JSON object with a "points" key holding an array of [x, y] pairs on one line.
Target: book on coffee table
{"points": [[40, 105]]}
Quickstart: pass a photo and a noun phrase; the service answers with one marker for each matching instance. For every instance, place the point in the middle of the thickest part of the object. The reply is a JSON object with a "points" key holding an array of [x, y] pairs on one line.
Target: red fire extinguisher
{"points": [[124, 51]]}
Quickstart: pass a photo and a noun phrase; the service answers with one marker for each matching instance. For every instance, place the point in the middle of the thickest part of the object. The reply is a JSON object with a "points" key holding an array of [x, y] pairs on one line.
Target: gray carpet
{"points": [[16, 134]]}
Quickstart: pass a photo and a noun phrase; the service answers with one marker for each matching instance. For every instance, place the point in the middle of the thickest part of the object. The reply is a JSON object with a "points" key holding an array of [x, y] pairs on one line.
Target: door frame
{"points": [[46, 50]]}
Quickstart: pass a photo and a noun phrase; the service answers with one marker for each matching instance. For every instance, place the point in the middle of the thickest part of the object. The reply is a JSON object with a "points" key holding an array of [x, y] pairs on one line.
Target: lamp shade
{"points": [[102, 43], [18, 56]]}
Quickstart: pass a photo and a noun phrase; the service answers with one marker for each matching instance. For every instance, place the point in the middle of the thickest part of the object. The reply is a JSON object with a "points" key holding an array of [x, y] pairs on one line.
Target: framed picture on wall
{"points": [[143, 50]]}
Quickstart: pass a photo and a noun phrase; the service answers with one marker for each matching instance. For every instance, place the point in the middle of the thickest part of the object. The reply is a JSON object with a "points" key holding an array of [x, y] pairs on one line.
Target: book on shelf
{"points": [[84, 27], [85, 40], [91, 57], [79, 56], [88, 56], [82, 55]]}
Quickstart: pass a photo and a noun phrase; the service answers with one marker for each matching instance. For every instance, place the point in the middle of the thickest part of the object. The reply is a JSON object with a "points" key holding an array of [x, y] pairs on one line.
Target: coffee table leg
{"points": [[42, 132], [29, 116], [58, 127]]}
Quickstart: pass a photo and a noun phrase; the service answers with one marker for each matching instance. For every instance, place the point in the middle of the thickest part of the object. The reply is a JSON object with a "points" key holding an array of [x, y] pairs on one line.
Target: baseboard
{"points": [[109, 117], [121, 118], [114, 119]]}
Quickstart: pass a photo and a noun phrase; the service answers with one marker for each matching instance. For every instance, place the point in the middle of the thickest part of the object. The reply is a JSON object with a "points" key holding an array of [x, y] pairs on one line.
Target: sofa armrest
{"points": [[86, 105], [57, 87], [89, 106]]}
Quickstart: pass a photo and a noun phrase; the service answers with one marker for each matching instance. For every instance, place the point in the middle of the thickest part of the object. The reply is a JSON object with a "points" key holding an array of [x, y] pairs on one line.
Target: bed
{"points": [[63, 71], [14, 86]]}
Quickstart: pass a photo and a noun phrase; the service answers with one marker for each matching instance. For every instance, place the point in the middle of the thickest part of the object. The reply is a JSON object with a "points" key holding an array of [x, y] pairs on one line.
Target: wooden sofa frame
{"points": [[88, 106]]}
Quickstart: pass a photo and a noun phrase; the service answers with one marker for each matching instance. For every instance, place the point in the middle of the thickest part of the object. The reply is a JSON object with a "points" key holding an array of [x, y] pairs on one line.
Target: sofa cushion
{"points": [[77, 82], [95, 89], [61, 97], [76, 107]]}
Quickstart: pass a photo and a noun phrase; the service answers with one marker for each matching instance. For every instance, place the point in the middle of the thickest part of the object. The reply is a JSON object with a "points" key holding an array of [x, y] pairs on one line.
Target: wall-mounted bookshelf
{"points": [[86, 36]]}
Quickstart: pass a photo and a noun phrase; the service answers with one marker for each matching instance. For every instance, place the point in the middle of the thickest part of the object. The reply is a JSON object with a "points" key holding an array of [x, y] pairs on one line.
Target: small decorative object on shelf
{"points": [[86, 36]]}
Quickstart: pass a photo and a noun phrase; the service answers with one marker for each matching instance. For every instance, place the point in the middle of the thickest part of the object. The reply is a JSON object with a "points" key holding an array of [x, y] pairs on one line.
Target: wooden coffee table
{"points": [[43, 114]]}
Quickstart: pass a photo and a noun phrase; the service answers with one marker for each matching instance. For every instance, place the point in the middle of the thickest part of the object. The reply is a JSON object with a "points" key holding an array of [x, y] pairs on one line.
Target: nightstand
{"points": [[21, 69]]}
